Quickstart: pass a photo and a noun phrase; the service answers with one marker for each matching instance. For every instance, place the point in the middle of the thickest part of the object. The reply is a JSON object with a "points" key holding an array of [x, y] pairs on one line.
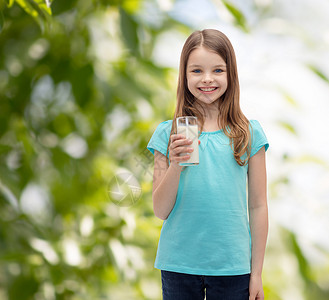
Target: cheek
{"points": [[224, 83], [190, 83]]}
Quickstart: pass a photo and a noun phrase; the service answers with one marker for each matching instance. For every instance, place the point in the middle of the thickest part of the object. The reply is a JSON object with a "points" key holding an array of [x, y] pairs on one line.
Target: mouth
{"points": [[207, 89]]}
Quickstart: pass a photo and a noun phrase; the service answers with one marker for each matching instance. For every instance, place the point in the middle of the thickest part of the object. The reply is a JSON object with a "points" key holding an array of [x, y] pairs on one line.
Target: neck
{"points": [[210, 111]]}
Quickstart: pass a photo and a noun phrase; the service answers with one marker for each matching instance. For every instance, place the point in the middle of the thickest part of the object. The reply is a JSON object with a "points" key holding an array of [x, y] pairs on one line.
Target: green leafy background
{"points": [[80, 96]]}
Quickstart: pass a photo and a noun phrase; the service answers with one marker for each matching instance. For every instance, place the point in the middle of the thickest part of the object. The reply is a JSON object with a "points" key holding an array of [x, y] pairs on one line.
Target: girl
{"points": [[211, 242]]}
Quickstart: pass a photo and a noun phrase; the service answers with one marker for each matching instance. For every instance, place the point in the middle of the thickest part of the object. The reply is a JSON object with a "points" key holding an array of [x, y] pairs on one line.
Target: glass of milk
{"points": [[188, 126]]}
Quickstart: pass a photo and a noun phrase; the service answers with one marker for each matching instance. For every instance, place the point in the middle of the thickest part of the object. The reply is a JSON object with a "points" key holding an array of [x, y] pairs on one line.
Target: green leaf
{"points": [[290, 100], [239, 18], [10, 3], [288, 127], [288, 97], [131, 6], [129, 31], [36, 8], [28, 8], [304, 267], [318, 72], [43, 6]]}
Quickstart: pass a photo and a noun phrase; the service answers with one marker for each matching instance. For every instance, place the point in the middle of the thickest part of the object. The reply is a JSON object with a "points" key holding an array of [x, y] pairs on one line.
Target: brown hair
{"points": [[234, 123]]}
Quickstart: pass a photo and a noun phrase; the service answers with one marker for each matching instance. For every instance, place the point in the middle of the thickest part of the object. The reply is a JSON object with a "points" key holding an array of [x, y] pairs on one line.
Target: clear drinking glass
{"points": [[188, 126]]}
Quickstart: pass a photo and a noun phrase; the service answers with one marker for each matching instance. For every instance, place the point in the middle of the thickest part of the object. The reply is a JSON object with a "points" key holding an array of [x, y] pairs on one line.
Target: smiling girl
{"points": [[214, 235]]}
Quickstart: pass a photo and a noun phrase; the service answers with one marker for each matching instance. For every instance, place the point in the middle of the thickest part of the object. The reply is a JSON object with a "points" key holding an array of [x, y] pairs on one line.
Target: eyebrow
{"points": [[199, 66]]}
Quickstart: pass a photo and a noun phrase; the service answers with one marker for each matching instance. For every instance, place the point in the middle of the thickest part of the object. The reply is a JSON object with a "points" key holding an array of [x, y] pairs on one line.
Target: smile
{"points": [[210, 89]]}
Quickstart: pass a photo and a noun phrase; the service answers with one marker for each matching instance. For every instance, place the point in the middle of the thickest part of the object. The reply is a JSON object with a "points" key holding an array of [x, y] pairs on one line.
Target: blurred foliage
{"points": [[66, 84], [38, 9], [239, 18], [80, 95]]}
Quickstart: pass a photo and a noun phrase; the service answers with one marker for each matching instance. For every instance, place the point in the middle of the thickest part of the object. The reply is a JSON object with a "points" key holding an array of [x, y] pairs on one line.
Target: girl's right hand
{"points": [[177, 146]]}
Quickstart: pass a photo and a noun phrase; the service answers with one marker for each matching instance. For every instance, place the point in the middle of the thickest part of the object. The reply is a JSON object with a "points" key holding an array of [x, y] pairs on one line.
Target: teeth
{"points": [[207, 89]]}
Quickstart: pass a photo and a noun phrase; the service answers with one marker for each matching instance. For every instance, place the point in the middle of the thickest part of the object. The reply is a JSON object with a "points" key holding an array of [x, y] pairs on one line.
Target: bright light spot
{"points": [[43, 90], [128, 258], [165, 5], [119, 253], [167, 49], [263, 3], [48, 139], [106, 45], [116, 121], [13, 159], [39, 49], [86, 225], [49, 291], [135, 256], [35, 202], [14, 66], [326, 37], [144, 109], [63, 94], [72, 252], [277, 25], [45, 248], [74, 145], [150, 288]]}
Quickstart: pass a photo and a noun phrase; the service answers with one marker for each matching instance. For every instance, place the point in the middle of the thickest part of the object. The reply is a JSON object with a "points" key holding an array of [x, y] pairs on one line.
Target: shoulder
{"points": [[258, 137], [255, 127], [160, 137], [166, 123], [164, 126], [163, 130], [254, 123]]}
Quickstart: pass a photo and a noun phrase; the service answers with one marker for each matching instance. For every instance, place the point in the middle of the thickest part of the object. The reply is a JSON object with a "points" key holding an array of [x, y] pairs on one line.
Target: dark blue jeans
{"points": [[180, 286]]}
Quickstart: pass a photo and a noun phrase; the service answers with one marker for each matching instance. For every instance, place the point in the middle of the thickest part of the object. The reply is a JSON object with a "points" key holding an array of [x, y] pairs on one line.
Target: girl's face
{"points": [[206, 75]]}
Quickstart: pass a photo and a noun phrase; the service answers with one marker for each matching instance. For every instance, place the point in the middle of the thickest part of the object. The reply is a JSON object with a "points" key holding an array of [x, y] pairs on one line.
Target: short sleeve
{"points": [[160, 138], [258, 138]]}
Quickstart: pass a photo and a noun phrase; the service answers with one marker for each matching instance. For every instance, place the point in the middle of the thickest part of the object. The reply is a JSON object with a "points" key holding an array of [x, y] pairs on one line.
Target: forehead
{"points": [[204, 56]]}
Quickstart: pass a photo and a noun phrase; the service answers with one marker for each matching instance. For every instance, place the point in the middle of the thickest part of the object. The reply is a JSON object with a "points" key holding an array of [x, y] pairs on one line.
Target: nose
{"points": [[207, 78]]}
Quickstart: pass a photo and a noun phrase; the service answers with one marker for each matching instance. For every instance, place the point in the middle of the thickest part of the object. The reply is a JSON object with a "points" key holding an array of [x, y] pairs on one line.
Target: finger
{"points": [[184, 142], [180, 152], [181, 142], [186, 150], [180, 158], [175, 137], [179, 146], [185, 157]]}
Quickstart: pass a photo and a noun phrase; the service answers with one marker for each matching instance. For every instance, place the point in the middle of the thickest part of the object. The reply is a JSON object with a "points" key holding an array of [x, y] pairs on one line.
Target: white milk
{"points": [[190, 132]]}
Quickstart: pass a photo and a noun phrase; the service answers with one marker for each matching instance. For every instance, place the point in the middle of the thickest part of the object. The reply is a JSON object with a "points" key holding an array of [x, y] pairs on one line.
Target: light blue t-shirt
{"points": [[207, 231]]}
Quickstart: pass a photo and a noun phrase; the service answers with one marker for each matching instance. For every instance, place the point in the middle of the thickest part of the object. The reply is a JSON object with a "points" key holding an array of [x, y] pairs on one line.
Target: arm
{"points": [[166, 179], [258, 219], [165, 186]]}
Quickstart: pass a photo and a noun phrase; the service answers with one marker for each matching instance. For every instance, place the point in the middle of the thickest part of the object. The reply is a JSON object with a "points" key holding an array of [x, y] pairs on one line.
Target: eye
{"points": [[218, 71], [196, 71]]}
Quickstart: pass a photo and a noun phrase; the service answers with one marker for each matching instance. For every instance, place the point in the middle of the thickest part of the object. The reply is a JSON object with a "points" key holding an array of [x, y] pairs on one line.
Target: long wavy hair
{"points": [[234, 123]]}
